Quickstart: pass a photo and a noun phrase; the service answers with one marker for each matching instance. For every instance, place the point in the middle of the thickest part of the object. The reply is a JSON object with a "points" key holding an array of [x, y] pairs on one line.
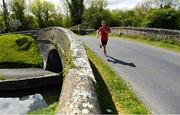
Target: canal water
{"points": [[24, 101]]}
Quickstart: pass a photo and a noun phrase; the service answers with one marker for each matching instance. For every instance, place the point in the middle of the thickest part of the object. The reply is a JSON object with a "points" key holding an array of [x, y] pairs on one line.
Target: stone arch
{"points": [[54, 62]]}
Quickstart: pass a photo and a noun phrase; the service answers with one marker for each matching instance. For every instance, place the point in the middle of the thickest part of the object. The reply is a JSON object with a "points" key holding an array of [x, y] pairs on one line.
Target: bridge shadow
{"points": [[104, 96], [117, 61], [54, 62]]}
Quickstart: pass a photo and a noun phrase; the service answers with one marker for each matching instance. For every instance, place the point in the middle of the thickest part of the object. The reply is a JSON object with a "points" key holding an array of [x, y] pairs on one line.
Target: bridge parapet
{"points": [[78, 95]]}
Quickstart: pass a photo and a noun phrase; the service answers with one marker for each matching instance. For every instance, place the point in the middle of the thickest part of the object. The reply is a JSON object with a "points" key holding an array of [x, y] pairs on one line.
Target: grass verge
{"points": [[17, 50], [113, 92], [50, 110]]}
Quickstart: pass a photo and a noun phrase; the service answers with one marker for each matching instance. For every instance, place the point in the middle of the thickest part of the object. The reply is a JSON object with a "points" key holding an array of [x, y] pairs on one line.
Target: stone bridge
{"points": [[62, 50], [63, 53]]}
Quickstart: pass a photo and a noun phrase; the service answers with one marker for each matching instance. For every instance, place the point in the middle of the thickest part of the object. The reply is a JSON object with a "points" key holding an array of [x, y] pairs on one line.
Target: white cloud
{"points": [[122, 4], [114, 4]]}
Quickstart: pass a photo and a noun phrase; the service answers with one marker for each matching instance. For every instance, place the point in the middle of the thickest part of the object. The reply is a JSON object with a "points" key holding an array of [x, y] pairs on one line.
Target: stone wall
{"points": [[149, 32], [78, 95], [84, 31]]}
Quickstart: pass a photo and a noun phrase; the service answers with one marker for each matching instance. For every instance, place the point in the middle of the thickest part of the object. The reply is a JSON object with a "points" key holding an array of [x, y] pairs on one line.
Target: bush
{"points": [[162, 18]]}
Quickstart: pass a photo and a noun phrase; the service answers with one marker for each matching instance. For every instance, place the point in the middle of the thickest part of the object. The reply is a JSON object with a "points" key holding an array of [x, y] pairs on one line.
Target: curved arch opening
{"points": [[54, 62]]}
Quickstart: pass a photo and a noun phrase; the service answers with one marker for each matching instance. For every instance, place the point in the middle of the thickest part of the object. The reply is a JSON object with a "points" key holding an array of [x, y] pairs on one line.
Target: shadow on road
{"points": [[117, 61], [104, 96]]}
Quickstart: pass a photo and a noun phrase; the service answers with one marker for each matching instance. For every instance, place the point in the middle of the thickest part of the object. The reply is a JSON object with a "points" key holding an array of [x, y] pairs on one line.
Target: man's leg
{"points": [[104, 44], [104, 49], [100, 45]]}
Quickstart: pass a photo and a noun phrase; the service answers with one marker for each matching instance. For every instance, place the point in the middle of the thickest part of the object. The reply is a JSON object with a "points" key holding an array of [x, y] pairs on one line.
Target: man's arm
{"points": [[109, 30], [98, 32]]}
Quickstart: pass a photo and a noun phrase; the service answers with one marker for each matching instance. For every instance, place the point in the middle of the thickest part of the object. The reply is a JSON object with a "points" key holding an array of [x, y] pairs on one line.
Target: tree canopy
{"points": [[34, 14]]}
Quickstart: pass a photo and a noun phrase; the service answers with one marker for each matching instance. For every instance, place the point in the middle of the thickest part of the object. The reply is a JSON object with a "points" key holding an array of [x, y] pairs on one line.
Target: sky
{"points": [[112, 4], [115, 4], [122, 4]]}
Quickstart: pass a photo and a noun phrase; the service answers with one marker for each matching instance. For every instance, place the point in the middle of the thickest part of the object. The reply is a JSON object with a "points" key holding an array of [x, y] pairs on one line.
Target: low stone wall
{"points": [[83, 32], [30, 82], [149, 32], [78, 95], [27, 32]]}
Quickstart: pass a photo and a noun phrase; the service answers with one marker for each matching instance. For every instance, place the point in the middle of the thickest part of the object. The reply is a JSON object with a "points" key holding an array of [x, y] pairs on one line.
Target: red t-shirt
{"points": [[104, 32]]}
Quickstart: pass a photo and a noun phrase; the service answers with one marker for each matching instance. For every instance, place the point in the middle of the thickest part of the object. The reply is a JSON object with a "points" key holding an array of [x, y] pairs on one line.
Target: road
{"points": [[153, 73]]}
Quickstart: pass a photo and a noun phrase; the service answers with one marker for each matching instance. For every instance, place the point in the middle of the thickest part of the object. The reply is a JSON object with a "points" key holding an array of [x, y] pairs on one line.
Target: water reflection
{"points": [[23, 101], [21, 105]]}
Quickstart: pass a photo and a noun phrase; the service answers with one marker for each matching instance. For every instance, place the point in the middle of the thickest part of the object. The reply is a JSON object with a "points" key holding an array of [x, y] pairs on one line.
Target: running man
{"points": [[104, 30]]}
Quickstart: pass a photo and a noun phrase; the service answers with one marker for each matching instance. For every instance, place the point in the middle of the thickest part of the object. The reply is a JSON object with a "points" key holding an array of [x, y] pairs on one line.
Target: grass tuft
{"points": [[50, 110]]}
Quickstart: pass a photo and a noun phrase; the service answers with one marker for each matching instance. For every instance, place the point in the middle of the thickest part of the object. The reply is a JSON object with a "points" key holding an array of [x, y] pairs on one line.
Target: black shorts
{"points": [[104, 42]]}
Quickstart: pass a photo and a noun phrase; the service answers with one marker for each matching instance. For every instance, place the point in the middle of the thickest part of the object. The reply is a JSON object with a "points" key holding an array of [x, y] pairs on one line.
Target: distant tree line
{"points": [[32, 14], [35, 14], [150, 13]]}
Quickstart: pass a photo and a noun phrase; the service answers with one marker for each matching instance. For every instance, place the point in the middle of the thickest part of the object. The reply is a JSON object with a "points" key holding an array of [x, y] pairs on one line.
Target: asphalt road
{"points": [[153, 73]]}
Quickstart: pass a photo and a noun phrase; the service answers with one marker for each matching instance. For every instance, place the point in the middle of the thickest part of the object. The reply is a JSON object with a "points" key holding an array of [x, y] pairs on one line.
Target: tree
{"points": [[42, 9], [127, 18], [31, 22], [178, 15], [145, 6], [65, 9], [116, 18], [162, 18], [5, 15], [48, 10], [140, 12], [58, 20], [93, 17], [37, 9], [1, 20], [166, 3], [163, 3], [76, 8], [95, 13], [18, 8], [100, 4]]}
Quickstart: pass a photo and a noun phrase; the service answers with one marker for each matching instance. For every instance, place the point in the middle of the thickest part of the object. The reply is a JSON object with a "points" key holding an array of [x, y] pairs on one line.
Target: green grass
{"points": [[113, 92], [17, 50], [2, 77], [172, 45], [50, 110]]}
